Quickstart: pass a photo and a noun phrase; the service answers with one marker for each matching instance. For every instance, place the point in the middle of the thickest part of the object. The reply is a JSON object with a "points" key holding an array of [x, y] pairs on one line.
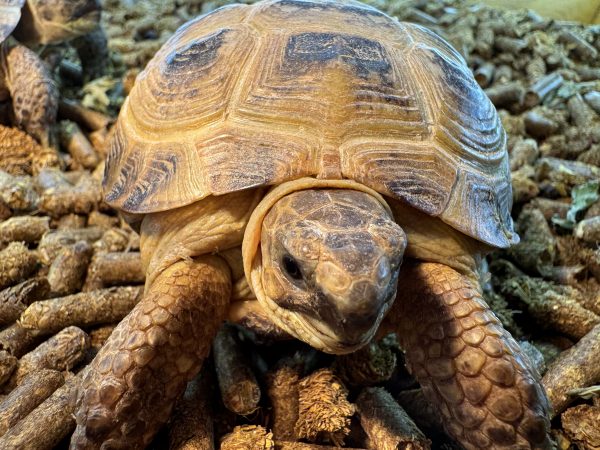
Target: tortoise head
{"points": [[330, 263], [50, 21]]}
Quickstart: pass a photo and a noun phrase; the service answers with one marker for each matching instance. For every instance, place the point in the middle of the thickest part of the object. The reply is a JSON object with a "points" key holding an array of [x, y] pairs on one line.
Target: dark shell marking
{"points": [[342, 91]]}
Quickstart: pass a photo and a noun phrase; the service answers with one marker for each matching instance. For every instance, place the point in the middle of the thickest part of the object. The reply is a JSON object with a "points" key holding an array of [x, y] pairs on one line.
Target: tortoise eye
{"points": [[291, 267]]}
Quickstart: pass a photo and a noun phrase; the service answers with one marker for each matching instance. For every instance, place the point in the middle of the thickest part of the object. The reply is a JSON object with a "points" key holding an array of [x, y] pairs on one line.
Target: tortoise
{"points": [[23, 76], [318, 167]]}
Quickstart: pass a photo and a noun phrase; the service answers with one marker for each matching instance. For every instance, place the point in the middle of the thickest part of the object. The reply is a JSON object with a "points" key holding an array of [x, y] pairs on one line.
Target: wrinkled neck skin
{"points": [[431, 240], [327, 264]]}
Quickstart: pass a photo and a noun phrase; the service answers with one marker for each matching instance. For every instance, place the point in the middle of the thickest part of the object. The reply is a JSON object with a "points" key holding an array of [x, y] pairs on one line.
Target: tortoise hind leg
{"points": [[32, 89], [470, 368], [130, 388]]}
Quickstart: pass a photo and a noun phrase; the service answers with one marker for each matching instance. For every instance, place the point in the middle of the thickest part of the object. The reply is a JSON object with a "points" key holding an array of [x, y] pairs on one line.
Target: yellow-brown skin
{"points": [[469, 366]]}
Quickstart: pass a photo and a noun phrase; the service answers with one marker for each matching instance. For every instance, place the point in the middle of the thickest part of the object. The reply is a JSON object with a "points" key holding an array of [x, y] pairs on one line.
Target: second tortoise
{"points": [[24, 78]]}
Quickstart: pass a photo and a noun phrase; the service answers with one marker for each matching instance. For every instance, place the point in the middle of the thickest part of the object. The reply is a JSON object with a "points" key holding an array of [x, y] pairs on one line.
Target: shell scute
{"points": [[364, 56]]}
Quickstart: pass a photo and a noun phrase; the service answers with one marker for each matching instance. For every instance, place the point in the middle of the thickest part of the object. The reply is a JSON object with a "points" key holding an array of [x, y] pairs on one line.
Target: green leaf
{"points": [[583, 196]]}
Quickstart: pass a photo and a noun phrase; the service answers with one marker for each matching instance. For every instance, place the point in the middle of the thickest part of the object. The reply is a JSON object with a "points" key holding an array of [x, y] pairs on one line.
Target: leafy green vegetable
{"points": [[583, 196]]}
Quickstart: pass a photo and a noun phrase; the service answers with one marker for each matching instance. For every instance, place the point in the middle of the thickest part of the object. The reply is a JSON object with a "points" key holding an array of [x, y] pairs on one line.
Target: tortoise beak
{"points": [[353, 316]]}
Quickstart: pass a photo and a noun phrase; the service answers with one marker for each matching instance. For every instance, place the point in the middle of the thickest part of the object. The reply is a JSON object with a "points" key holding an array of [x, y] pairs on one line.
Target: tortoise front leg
{"points": [[32, 89], [469, 367], [144, 366]]}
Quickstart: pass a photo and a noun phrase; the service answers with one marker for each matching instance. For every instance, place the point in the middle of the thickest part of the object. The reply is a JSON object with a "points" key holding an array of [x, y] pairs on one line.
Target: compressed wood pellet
{"points": [[240, 391], [552, 208], [79, 199], [283, 391], [552, 306], [115, 268], [88, 118], [248, 437], [255, 437], [413, 401], [503, 95], [324, 410], [565, 274], [542, 88], [18, 340], [510, 45], [18, 193], [503, 74], [8, 363], [98, 336], [524, 152], [386, 423], [35, 388], [575, 368], [286, 445], [484, 74], [98, 139], [588, 230], [55, 240], [48, 424], [78, 145], [14, 300], [62, 351], [68, 270], [5, 211], [593, 99], [17, 149], [53, 179], [582, 425], [536, 250], [539, 125], [581, 113], [535, 68], [192, 419], [586, 51], [29, 229], [68, 70], [372, 364], [524, 188], [96, 218], [113, 240], [17, 262], [70, 221], [571, 173], [84, 309]]}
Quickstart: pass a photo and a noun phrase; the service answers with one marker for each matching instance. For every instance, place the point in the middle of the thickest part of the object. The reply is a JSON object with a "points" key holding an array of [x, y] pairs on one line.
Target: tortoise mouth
{"points": [[317, 333]]}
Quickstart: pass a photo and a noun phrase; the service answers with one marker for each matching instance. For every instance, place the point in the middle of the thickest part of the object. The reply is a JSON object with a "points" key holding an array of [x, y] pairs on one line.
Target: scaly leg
{"points": [[144, 366], [32, 89], [469, 367]]}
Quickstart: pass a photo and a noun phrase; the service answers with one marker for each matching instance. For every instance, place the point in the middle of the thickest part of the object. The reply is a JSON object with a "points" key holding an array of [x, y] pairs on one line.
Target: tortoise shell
{"points": [[248, 96], [10, 13]]}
